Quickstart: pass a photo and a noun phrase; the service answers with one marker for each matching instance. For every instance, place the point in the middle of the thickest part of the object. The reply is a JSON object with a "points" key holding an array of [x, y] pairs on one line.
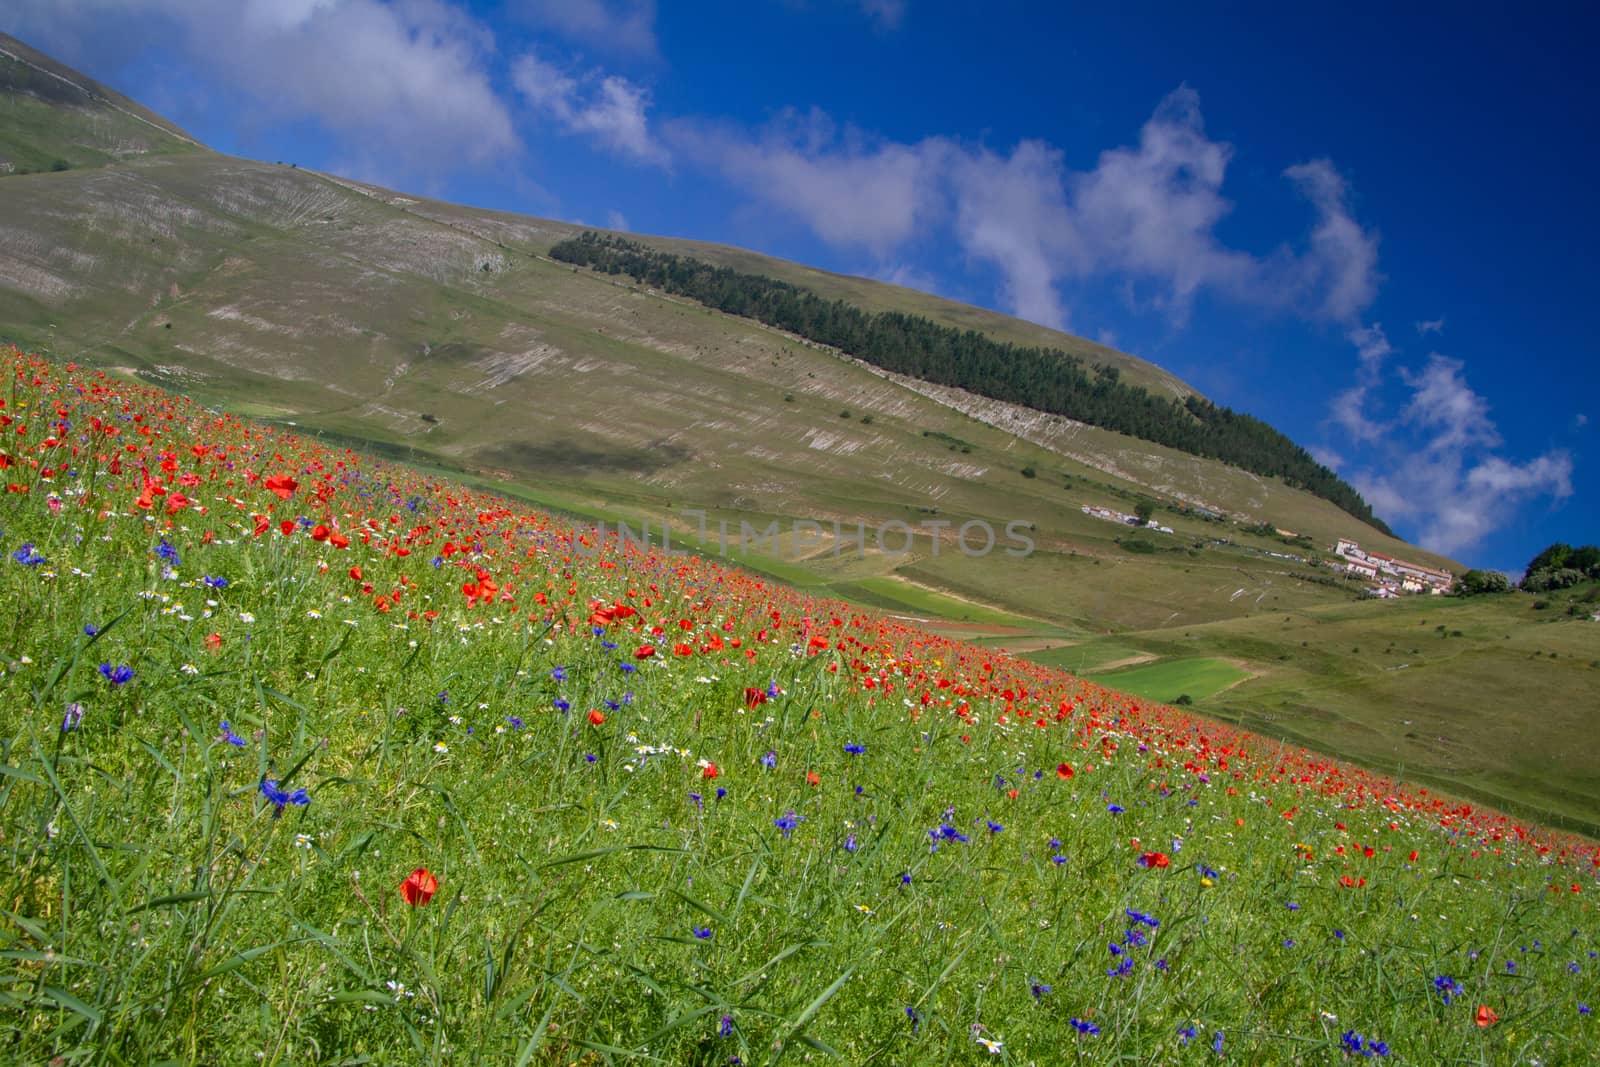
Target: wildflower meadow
{"points": [[311, 758]]}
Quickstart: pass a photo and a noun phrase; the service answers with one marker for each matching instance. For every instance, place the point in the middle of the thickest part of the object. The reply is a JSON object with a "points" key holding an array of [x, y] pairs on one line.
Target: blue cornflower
{"points": [[626, 668], [513, 722], [905, 879], [721, 792], [850, 843], [1583, 1009], [1288, 942], [702, 933], [1216, 1043], [1140, 917], [1115, 809], [1058, 859], [770, 759], [787, 822], [437, 561], [994, 827], [280, 798], [230, 737], [1161, 965], [590, 757], [1339, 934], [116, 675], [773, 692], [697, 798], [609, 646], [855, 750], [73, 717], [559, 674], [916, 1019], [214, 583], [1292, 906], [90, 629], [165, 551], [1085, 1027], [562, 705], [1122, 969], [946, 832], [1187, 1033], [26, 556], [614, 705], [725, 1027], [1038, 989], [1573, 968]]}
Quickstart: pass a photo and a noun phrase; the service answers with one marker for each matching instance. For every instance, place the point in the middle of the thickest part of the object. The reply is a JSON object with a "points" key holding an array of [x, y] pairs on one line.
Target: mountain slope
{"points": [[54, 118]]}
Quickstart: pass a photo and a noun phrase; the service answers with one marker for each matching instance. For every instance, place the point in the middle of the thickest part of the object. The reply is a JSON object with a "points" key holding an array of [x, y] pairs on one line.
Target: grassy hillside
{"points": [[1475, 696], [53, 118], [313, 758]]}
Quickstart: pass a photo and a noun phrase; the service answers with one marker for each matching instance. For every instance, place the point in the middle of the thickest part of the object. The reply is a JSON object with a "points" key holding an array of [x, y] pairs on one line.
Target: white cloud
{"points": [[616, 220], [1436, 468], [1341, 267], [850, 190], [1012, 212], [1427, 326], [1349, 407], [402, 85], [605, 107], [1446, 407], [1146, 213], [615, 25]]}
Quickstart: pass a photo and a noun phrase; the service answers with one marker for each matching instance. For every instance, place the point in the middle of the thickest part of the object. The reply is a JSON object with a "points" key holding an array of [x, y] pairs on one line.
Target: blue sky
{"points": [[1377, 232]]}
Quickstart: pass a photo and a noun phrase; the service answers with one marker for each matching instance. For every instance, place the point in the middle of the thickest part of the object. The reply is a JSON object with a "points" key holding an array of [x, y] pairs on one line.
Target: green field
{"points": [[1168, 680]]}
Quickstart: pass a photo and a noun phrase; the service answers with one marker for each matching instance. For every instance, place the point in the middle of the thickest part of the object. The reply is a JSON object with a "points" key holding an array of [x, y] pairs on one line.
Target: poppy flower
{"points": [[1487, 1016], [1064, 771], [419, 887], [281, 484], [644, 652], [1155, 859], [597, 717]]}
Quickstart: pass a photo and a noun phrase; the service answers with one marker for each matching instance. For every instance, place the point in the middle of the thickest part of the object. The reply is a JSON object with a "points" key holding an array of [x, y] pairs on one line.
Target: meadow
{"points": [[309, 757]]}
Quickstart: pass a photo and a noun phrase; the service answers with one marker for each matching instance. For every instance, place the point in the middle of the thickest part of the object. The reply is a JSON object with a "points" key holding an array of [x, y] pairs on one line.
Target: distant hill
{"points": [[55, 118]]}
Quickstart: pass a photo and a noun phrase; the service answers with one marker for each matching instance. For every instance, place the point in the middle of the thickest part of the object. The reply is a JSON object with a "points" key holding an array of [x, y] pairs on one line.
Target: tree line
{"points": [[1046, 379]]}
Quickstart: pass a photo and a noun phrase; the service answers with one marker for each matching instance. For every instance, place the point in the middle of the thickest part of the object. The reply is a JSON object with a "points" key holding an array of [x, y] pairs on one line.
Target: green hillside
{"points": [[53, 118]]}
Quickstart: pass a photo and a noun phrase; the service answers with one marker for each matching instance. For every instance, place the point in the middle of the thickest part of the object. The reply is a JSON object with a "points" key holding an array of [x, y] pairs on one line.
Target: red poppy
{"points": [[754, 697], [597, 717], [1487, 1016], [281, 484], [1155, 859], [1064, 771], [710, 770], [644, 652], [419, 887]]}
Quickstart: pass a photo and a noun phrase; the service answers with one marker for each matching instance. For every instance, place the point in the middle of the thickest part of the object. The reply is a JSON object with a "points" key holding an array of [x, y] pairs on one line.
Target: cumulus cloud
{"points": [[1427, 326], [615, 25], [607, 108], [851, 190], [1011, 211], [1436, 466], [1146, 213], [405, 83]]}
